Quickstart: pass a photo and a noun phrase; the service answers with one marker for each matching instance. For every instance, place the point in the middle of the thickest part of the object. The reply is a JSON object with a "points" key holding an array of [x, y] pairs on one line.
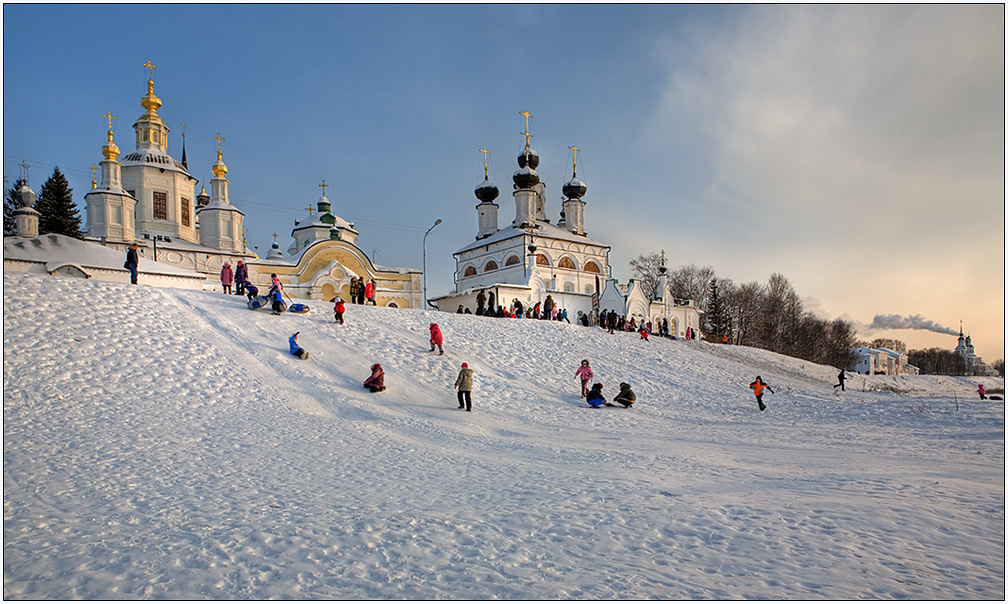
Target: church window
{"points": [[470, 271], [512, 260], [566, 262], [589, 289], [185, 212], [542, 260], [144, 135], [591, 267], [160, 205], [154, 136], [490, 266], [569, 287]]}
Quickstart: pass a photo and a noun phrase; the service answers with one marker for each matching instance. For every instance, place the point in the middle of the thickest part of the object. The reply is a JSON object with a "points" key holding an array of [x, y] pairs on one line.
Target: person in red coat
{"points": [[377, 380], [369, 293], [338, 309], [436, 339]]}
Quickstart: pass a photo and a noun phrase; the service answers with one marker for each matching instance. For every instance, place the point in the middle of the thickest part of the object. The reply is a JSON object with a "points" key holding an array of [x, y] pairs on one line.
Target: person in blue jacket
{"points": [[595, 398], [295, 349]]}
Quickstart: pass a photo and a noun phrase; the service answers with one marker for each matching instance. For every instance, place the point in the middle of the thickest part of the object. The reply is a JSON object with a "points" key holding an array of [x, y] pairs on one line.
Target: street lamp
{"points": [[436, 222]]}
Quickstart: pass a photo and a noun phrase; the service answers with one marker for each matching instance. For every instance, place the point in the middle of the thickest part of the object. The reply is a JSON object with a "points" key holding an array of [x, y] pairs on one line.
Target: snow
{"points": [[164, 444]]}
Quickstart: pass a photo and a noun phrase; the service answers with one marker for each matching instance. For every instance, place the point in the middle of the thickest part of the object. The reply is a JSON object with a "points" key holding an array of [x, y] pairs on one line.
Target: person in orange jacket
{"points": [[757, 387]]}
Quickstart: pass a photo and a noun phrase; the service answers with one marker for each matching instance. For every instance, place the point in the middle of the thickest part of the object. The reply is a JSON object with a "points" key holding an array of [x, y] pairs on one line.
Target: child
{"points": [[338, 309], [757, 388], [626, 396], [585, 373], [277, 298], [464, 384], [226, 276], [644, 333], [376, 383], [436, 338], [296, 350], [251, 290], [595, 398], [982, 392]]}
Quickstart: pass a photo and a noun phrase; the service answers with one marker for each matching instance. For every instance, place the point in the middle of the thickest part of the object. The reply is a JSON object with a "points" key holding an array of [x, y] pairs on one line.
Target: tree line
{"points": [[55, 204], [769, 316]]}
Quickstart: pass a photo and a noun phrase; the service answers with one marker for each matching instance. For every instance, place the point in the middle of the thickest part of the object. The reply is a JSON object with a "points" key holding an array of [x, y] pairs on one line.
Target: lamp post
{"points": [[436, 222]]}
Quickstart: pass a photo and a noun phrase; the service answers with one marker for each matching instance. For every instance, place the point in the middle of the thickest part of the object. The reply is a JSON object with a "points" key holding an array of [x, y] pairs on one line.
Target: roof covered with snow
{"points": [[56, 250]]}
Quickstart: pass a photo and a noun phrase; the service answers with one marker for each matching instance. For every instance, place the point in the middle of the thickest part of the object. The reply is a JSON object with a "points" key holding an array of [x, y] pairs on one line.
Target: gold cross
{"points": [[526, 133], [94, 170], [575, 149], [24, 171], [274, 237], [310, 208], [150, 69], [110, 118], [485, 153], [323, 185], [220, 139]]}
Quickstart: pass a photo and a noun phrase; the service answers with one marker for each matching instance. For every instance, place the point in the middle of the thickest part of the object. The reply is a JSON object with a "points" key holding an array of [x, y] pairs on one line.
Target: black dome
{"points": [[526, 178], [533, 159], [487, 191], [574, 188]]}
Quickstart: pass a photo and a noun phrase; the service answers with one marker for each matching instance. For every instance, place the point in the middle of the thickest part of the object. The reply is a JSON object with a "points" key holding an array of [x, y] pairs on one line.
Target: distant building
{"points": [[875, 361]]}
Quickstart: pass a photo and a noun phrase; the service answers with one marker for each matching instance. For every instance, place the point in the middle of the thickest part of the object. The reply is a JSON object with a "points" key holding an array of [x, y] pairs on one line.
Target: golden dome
{"points": [[219, 169], [150, 102], [110, 151]]}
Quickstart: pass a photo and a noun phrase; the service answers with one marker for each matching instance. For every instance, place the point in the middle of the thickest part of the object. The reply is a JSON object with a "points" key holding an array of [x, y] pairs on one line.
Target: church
{"points": [[532, 259], [148, 197]]}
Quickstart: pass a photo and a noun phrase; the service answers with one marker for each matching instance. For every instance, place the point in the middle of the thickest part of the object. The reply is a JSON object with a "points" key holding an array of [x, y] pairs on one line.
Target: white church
{"points": [[531, 258], [148, 197]]}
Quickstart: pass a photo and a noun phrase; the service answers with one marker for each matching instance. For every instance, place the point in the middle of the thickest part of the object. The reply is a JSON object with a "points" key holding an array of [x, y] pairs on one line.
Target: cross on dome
{"points": [[150, 69]]}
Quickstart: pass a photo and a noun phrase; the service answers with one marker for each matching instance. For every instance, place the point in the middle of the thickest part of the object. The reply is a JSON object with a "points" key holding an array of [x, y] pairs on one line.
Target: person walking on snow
{"points": [[295, 349], [464, 384], [585, 373], [376, 383], [436, 339], [132, 262], [757, 388], [841, 376], [240, 277], [981, 392], [369, 292], [226, 277], [338, 309]]}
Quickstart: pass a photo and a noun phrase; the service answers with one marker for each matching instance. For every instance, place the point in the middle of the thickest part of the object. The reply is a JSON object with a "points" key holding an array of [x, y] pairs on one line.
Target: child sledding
{"points": [[626, 397]]}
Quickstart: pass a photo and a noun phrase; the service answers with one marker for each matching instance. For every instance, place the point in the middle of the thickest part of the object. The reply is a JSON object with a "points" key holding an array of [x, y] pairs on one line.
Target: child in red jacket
{"points": [[338, 310], [436, 339]]}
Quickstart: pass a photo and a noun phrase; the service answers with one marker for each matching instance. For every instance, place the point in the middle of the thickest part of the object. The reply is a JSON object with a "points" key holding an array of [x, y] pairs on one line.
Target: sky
{"points": [[858, 150]]}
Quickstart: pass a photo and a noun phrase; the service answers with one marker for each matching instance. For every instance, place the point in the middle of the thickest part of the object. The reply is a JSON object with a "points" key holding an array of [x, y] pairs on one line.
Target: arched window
{"points": [[589, 289], [470, 271], [512, 260], [490, 266], [591, 267], [542, 260], [569, 287], [566, 262]]}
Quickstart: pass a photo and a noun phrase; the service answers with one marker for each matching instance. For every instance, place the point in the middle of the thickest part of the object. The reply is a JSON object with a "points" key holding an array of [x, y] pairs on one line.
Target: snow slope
{"points": [[164, 444]]}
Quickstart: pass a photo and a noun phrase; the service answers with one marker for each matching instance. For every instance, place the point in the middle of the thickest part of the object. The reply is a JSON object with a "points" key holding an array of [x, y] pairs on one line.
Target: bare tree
{"points": [[691, 283], [646, 270]]}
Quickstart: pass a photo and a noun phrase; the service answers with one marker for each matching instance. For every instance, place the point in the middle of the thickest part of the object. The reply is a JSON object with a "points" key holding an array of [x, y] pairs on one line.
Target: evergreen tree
{"points": [[11, 204], [57, 208], [716, 316]]}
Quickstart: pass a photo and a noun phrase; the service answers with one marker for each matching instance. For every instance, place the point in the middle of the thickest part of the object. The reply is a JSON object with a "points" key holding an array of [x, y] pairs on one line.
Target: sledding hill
{"points": [[164, 444]]}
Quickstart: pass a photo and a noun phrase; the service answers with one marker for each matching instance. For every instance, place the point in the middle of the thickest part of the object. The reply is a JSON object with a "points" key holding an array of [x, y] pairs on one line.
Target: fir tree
{"points": [[57, 208], [717, 321], [11, 204]]}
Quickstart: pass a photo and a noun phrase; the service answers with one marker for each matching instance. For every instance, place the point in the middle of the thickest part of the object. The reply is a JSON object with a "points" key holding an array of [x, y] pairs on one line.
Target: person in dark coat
{"points": [[595, 398], [251, 291], [464, 384], [841, 376], [548, 308], [626, 397], [480, 302], [132, 262], [240, 277], [757, 388], [376, 383]]}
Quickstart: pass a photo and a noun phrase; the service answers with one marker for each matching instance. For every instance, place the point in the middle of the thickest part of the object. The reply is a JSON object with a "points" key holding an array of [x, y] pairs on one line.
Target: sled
{"points": [[258, 302], [298, 308]]}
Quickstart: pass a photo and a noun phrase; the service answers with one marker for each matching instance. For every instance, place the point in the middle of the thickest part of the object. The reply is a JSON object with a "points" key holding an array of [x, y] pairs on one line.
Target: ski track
{"points": [[164, 444]]}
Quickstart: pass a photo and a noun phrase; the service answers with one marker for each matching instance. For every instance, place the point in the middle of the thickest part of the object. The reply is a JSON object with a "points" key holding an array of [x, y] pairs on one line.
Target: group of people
{"points": [[238, 276], [486, 307], [361, 292], [594, 397]]}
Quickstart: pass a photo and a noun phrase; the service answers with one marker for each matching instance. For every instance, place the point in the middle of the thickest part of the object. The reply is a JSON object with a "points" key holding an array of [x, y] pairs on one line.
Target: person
{"points": [[480, 302], [644, 332], [240, 277], [519, 309], [376, 383], [585, 373], [464, 384], [436, 338], [338, 309], [982, 392], [467, 311], [277, 298], [563, 316], [369, 292], [757, 388], [595, 398], [841, 376], [132, 262], [626, 397], [611, 320], [226, 277], [295, 349], [460, 310], [250, 290], [353, 290]]}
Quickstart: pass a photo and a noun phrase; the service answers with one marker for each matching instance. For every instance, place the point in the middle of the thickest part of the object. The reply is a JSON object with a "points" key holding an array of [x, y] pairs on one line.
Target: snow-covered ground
{"points": [[164, 444]]}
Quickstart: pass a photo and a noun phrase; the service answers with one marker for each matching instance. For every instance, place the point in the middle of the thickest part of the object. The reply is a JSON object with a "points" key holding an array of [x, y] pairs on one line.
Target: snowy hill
{"points": [[164, 444]]}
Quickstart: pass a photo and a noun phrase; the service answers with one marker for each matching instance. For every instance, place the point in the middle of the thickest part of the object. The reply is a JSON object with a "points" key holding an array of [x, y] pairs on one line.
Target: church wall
{"points": [[144, 182]]}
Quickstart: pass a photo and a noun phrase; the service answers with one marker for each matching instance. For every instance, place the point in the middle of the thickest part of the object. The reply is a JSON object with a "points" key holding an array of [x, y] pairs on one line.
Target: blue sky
{"points": [[858, 150]]}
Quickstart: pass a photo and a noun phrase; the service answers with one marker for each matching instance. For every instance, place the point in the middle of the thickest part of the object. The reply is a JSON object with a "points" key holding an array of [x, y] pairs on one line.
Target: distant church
{"points": [[531, 258], [149, 197]]}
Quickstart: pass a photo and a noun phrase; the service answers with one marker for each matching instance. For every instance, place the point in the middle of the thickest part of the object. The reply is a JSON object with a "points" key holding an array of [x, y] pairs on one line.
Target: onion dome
{"points": [[532, 248], [528, 157], [219, 169], [150, 102], [26, 196], [110, 151], [574, 188], [525, 178], [486, 192]]}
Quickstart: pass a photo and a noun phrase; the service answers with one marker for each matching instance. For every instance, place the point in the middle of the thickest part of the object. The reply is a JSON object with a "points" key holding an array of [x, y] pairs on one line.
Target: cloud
{"points": [[882, 322]]}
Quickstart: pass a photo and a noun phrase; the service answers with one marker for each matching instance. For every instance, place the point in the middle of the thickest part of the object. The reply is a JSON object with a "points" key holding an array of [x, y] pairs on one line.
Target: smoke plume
{"points": [[911, 322]]}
